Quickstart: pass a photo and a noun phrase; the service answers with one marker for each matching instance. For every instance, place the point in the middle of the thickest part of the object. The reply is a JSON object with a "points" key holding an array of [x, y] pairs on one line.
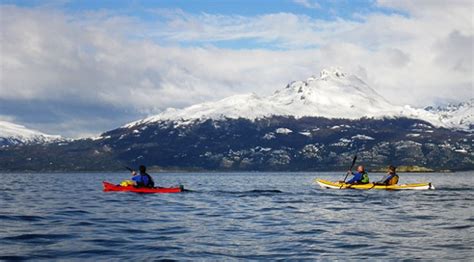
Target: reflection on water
{"points": [[233, 216]]}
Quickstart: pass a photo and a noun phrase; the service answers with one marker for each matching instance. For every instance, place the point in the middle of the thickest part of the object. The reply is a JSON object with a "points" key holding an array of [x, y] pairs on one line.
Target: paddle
{"points": [[350, 169]]}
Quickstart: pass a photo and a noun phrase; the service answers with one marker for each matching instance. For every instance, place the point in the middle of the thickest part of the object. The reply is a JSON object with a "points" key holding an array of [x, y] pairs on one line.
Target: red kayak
{"points": [[111, 187]]}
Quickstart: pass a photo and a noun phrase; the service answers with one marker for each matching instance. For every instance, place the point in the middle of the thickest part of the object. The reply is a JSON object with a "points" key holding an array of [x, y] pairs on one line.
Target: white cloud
{"points": [[141, 67], [399, 52], [455, 52], [308, 4]]}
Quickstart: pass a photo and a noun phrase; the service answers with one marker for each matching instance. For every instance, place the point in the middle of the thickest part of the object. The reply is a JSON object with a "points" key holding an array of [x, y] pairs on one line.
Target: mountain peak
{"points": [[11, 133], [334, 72], [335, 94], [335, 76]]}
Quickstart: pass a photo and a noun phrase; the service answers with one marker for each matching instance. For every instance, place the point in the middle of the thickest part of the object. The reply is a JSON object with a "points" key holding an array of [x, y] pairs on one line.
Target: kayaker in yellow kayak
{"points": [[360, 177], [391, 178]]}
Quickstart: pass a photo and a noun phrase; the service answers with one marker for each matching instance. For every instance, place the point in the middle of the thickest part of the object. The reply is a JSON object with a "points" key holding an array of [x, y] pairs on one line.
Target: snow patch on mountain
{"points": [[305, 133], [14, 134], [333, 94], [455, 115], [283, 130], [362, 137]]}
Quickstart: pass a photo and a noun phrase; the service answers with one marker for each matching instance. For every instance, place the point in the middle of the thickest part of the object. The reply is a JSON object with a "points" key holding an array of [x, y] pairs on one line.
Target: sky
{"points": [[79, 68]]}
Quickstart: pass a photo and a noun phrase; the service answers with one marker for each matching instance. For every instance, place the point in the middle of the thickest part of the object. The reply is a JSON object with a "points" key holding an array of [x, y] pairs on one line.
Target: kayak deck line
{"points": [[337, 185], [109, 187]]}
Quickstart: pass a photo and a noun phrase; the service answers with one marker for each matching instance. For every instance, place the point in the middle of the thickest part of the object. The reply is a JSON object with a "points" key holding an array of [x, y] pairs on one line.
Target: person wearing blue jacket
{"points": [[360, 177], [142, 179]]}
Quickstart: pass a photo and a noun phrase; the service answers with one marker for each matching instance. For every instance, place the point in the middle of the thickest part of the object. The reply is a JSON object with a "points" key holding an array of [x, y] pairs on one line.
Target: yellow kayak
{"points": [[337, 185]]}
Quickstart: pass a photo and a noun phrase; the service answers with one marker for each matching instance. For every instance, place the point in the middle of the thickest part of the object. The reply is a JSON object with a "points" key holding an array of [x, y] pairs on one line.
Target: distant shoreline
{"points": [[154, 171], [414, 169]]}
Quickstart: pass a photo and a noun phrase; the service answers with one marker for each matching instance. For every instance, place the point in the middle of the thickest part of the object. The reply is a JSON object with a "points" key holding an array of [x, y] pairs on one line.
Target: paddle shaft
{"points": [[375, 183], [350, 169], [129, 169]]}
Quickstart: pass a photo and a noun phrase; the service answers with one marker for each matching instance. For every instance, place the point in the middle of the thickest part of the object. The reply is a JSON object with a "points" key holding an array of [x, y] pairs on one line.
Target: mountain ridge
{"points": [[273, 133], [15, 134], [271, 144], [334, 94]]}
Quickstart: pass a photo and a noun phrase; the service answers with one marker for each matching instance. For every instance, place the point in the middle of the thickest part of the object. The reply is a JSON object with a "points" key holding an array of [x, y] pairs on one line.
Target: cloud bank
{"points": [[79, 73]]}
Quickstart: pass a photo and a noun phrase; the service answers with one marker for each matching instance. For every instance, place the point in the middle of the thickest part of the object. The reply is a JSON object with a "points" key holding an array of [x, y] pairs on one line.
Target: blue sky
{"points": [[322, 9], [148, 11], [78, 68]]}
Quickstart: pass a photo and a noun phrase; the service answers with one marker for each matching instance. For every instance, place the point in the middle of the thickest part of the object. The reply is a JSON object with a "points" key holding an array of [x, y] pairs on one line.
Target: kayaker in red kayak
{"points": [[391, 178], [142, 179], [360, 177]]}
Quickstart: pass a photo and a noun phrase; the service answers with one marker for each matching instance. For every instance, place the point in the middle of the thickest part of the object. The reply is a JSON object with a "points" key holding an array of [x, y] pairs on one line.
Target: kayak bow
{"points": [[111, 187], [337, 185]]}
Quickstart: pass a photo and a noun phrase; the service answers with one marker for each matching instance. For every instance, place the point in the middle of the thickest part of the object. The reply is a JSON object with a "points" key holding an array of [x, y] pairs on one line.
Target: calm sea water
{"points": [[234, 216]]}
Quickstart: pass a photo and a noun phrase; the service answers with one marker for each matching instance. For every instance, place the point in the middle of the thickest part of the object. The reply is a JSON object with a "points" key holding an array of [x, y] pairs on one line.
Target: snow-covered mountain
{"points": [[13, 134], [455, 115], [343, 117], [334, 94]]}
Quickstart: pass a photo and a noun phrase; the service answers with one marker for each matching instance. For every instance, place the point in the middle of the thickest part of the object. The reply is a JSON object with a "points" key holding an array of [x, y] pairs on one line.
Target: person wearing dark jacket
{"points": [[142, 179]]}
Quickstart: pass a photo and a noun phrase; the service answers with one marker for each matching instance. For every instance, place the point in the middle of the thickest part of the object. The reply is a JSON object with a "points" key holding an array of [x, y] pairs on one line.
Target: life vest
{"points": [[365, 178], [393, 180]]}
